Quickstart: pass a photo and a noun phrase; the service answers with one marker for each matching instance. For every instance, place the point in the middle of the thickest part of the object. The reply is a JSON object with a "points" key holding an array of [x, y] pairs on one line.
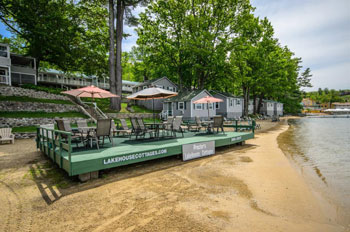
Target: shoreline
{"points": [[241, 188], [329, 199]]}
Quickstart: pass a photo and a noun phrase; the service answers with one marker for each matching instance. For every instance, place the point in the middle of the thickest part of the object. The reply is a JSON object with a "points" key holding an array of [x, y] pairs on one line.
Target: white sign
{"points": [[197, 150], [236, 138], [123, 158]]}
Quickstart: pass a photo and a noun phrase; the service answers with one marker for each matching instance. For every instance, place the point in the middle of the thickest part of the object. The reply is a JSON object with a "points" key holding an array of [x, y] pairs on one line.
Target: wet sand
{"points": [[242, 188]]}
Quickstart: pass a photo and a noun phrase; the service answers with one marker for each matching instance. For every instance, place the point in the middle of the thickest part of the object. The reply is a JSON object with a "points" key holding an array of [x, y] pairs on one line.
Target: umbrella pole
{"points": [[208, 111], [154, 120]]}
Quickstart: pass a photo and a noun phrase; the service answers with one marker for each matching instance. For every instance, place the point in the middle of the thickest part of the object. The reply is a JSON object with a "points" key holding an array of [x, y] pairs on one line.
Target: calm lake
{"points": [[321, 148]]}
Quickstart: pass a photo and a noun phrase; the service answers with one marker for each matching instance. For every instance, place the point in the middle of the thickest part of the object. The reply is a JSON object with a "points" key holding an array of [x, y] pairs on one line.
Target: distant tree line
{"points": [[328, 96], [217, 44]]}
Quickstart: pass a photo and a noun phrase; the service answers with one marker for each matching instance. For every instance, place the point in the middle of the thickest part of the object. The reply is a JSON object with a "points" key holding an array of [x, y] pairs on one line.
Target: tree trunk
{"points": [[120, 19], [113, 103], [246, 101], [254, 104], [261, 97]]}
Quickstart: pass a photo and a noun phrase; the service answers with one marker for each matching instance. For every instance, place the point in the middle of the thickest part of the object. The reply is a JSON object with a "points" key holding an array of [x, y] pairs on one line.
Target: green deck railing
{"points": [[54, 142], [235, 124]]}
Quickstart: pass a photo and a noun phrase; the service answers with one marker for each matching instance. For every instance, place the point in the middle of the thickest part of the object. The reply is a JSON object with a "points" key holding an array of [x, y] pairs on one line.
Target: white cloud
{"points": [[318, 31]]}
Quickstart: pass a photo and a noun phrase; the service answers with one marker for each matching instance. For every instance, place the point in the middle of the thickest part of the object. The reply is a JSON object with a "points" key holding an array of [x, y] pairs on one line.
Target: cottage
{"points": [[182, 105], [338, 105], [163, 83], [16, 69], [231, 107]]}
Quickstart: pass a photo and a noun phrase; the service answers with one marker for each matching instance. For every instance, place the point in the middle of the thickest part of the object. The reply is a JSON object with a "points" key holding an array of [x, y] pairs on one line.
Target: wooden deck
{"points": [[80, 160]]}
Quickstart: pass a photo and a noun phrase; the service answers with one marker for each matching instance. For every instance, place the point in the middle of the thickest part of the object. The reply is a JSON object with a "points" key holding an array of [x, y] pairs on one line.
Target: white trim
{"points": [[191, 108], [183, 106]]}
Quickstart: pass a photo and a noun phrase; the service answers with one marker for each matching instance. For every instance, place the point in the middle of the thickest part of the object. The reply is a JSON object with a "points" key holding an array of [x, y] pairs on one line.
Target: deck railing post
{"points": [[60, 142], [253, 125], [69, 153], [236, 126], [47, 142]]}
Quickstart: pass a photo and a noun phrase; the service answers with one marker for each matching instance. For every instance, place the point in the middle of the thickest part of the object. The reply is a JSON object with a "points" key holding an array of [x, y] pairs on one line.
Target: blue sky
{"points": [[318, 31]]}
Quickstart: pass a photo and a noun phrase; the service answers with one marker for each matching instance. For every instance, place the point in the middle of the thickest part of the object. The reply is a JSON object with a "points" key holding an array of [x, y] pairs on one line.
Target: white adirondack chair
{"points": [[6, 135]]}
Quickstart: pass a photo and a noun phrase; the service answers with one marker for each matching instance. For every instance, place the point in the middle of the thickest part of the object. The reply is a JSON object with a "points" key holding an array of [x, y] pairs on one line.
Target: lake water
{"points": [[321, 148]]}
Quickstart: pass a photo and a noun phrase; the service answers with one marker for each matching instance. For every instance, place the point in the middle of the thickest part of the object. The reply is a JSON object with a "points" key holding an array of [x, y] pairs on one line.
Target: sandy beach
{"points": [[242, 188]]}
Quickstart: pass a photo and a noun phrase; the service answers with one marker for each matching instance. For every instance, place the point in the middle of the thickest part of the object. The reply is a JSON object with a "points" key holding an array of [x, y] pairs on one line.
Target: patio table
{"points": [[155, 126], [208, 125]]}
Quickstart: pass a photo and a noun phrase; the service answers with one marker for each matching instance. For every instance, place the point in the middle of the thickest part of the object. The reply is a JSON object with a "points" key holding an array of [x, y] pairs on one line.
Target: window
{"points": [[2, 72], [238, 102], [160, 86], [197, 106], [144, 87], [231, 102], [170, 88], [3, 51], [210, 105], [181, 105], [217, 105]]}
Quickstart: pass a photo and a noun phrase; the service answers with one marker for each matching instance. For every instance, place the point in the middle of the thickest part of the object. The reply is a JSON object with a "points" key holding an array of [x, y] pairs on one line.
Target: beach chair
{"points": [[6, 135], [103, 129]]}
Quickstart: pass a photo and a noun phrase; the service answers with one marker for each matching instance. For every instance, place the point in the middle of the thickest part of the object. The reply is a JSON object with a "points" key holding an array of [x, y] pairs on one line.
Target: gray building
{"points": [[182, 105], [16, 69], [163, 83], [271, 108], [231, 107]]}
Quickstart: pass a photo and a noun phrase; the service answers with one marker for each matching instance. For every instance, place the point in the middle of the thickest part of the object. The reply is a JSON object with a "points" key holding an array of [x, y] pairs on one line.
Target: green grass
{"points": [[24, 129], [30, 99], [43, 88], [24, 114]]}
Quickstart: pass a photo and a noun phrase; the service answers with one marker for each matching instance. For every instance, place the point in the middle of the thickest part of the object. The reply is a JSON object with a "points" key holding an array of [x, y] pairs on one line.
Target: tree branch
{"points": [[10, 26]]}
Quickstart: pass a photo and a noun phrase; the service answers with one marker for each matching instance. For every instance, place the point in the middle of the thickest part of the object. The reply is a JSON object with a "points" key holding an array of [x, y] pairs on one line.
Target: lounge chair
{"points": [[103, 129], [6, 135]]}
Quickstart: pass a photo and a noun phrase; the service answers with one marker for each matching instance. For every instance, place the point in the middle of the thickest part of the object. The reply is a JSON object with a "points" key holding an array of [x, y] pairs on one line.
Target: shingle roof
{"points": [[224, 94], [185, 95]]}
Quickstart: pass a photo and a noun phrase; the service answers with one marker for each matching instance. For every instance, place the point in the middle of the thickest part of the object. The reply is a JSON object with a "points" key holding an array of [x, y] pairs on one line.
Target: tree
{"points": [[305, 79], [112, 84], [189, 39]]}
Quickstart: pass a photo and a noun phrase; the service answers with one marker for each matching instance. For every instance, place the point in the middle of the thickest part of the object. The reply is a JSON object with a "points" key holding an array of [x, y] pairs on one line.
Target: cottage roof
{"points": [[224, 94], [148, 82], [185, 95]]}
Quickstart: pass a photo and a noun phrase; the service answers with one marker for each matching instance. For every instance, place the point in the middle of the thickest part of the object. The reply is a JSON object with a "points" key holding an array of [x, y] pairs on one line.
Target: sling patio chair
{"points": [[124, 128], [218, 123], [196, 126], [143, 127], [176, 127], [64, 125], [103, 129]]}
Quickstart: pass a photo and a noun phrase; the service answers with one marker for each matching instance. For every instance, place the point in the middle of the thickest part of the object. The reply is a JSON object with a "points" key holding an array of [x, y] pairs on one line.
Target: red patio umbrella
{"points": [[90, 91], [208, 99]]}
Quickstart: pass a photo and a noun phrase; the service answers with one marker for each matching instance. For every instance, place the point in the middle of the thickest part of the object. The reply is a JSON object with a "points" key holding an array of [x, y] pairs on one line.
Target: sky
{"points": [[318, 31]]}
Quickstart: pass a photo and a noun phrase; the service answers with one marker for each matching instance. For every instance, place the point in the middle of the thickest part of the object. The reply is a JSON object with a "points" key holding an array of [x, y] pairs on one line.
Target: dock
{"points": [[87, 162]]}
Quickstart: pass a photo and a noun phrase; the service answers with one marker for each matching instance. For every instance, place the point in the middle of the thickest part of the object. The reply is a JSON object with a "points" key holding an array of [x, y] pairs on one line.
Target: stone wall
{"points": [[36, 106], [24, 135], [17, 122], [18, 91]]}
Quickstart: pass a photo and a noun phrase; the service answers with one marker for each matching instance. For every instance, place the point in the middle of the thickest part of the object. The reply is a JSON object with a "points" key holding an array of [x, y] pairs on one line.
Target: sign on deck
{"points": [[197, 150]]}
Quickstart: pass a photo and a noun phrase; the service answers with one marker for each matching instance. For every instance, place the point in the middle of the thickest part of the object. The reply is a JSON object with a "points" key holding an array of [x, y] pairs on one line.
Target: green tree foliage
{"points": [[68, 34]]}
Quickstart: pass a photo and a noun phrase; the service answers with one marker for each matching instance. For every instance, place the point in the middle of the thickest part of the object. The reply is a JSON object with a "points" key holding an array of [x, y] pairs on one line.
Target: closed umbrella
{"points": [[208, 99], [152, 93]]}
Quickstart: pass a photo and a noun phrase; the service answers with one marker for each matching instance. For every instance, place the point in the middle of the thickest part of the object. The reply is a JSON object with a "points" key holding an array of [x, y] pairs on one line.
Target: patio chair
{"points": [[6, 135], [124, 128], [144, 128], [176, 127], [64, 125], [197, 126], [82, 127], [103, 129], [218, 123]]}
